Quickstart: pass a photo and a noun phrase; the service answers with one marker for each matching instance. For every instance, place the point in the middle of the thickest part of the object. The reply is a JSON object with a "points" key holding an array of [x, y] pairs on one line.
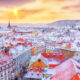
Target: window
{"points": [[37, 74], [6, 66], [56, 51], [77, 54], [5, 73], [52, 48], [1, 74], [8, 71], [48, 55], [32, 74], [0, 69], [54, 54], [3, 68], [31, 69]]}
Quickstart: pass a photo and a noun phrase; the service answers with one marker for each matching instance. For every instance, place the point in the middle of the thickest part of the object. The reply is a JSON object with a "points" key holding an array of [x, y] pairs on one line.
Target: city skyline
{"points": [[38, 11]]}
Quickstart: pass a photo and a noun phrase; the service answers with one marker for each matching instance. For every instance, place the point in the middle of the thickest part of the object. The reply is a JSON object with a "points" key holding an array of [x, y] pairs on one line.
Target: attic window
{"points": [[54, 54], [60, 54], [37, 74], [36, 69], [39, 60], [76, 54], [32, 74], [48, 55], [31, 69]]}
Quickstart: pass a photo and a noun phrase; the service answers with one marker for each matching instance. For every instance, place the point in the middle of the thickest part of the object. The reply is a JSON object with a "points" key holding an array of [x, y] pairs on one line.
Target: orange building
{"points": [[33, 51], [38, 49], [39, 63], [67, 52]]}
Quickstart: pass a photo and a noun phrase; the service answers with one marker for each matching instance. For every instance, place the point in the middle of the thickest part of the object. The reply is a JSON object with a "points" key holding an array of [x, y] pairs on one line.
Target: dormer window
{"points": [[60, 54], [37, 74], [39, 60], [32, 74], [48, 55], [76, 54], [54, 54], [36, 69], [31, 69]]}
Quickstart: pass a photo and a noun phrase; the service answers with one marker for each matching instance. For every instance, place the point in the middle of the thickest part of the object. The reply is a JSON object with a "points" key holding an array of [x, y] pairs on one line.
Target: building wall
{"points": [[38, 49], [32, 79], [23, 60], [77, 53], [68, 53], [49, 49], [32, 51], [8, 72]]}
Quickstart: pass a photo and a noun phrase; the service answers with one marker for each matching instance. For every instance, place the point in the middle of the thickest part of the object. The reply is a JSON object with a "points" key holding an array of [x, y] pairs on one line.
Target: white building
{"points": [[21, 56]]}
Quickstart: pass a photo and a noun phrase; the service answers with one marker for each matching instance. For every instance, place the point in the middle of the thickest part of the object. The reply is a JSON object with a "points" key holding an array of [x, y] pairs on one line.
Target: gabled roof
{"points": [[39, 63], [76, 77]]}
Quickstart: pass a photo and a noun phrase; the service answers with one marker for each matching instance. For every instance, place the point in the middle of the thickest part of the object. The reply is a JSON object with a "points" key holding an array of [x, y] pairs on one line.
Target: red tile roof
{"points": [[21, 39], [58, 56], [76, 77], [64, 71]]}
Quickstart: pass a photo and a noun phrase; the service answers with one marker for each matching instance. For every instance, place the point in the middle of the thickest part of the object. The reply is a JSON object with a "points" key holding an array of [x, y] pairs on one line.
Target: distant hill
{"points": [[64, 23], [60, 23]]}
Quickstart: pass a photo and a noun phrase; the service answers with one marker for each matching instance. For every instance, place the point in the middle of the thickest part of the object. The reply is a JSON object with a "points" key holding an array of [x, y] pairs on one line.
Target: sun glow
{"points": [[15, 11]]}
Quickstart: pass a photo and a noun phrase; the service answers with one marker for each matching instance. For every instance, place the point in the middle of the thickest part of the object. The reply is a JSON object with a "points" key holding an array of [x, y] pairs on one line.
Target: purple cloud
{"points": [[13, 3], [71, 6]]}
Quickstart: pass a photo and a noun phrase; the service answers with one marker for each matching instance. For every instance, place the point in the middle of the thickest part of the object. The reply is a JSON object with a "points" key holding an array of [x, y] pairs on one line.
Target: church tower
{"points": [[9, 26]]}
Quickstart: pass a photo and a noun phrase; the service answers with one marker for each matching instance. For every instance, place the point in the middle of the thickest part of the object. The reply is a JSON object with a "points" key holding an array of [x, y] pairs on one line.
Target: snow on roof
{"points": [[66, 69], [20, 48], [4, 60], [34, 75], [34, 58], [53, 62], [50, 71], [39, 56], [12, 50]]}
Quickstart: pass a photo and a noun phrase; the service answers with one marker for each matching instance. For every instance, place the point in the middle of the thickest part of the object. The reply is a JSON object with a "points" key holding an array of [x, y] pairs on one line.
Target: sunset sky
{"points": [[38, 11]]}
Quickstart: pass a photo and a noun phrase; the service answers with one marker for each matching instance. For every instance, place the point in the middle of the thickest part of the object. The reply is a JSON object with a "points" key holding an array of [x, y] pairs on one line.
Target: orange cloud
{"points": [[39, 11]]}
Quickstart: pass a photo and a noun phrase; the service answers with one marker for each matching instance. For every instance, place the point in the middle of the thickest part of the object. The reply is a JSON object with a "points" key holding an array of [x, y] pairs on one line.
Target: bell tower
{"points": [[9, 26]]}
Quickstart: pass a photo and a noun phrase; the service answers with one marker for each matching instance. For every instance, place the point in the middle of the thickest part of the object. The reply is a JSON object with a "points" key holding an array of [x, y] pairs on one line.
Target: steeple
{"points": [[9, 26]]}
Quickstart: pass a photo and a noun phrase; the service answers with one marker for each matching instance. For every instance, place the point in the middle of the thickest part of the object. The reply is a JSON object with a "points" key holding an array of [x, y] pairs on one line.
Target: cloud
{"points": [[14, 3], [59, 1], [39, 10], [22, 14], [73, 8]]}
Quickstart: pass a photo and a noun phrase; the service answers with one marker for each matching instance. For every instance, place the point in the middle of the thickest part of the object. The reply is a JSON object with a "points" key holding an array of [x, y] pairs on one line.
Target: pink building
{"points": [[7, 68]]}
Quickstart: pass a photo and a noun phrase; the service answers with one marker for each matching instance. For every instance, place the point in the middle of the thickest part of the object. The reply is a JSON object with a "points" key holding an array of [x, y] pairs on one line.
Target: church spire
{"points": [[9, 26]]}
